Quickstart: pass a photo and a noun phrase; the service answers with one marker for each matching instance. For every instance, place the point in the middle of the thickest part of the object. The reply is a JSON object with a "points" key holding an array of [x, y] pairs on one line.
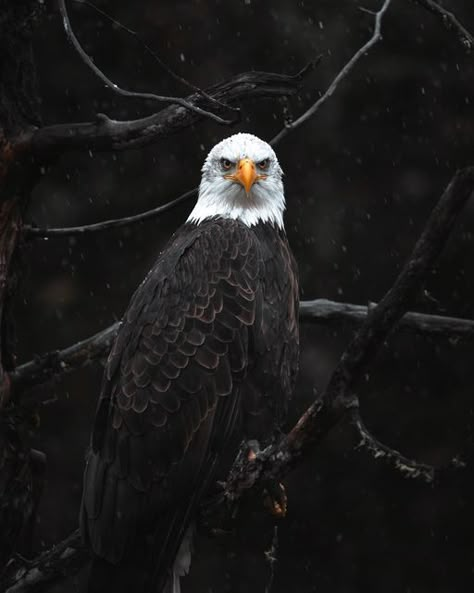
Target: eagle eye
{"points": [[262, 165], [226, 164]]}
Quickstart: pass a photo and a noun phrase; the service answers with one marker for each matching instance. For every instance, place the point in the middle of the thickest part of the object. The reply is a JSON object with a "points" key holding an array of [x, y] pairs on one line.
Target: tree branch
{"points": [[36, 232], [409, 468], [376, 36], [106, 134], [325, 311], [63, 559], [449, 21], [154, 55], [61, 362], [123, 92], [338, 398]]}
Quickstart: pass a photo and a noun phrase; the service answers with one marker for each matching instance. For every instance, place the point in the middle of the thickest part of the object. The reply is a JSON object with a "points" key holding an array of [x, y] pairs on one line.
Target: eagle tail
{"points": [[125, 577], [182, 562], [105, 576]]}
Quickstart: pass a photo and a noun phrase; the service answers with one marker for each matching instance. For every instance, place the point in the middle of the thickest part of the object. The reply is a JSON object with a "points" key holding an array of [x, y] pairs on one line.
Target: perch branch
{"points": [[123, 92], [376, 36], [338, 398], [449, 21], [106, 134], [57, 363]]}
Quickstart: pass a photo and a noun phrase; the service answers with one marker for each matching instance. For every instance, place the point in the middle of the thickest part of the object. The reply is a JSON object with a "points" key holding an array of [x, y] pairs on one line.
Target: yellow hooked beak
{"points": [[246, 174]]}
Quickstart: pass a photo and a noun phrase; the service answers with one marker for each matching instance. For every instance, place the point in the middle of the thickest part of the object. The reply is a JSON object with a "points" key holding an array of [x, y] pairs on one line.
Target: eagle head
{"points": [[242, 180]]}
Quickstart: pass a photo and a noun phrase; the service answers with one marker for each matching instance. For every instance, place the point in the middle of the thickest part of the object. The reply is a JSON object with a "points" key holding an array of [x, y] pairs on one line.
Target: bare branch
{"points": [[449, 21], [31, 231], [123, 92], [338, 399], [106, 134], [409, 468], [154, 55], [376, 36], [61, 362], [323, 310], [57, 363], [64, 559]]}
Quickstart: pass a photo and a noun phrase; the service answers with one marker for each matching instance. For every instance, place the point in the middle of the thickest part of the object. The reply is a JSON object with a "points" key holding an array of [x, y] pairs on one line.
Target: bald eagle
{"points": [[206, 356]]}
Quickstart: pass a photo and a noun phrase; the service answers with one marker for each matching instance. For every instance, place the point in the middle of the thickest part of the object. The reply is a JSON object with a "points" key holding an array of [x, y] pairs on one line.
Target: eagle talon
{"points": [[275, 499]]}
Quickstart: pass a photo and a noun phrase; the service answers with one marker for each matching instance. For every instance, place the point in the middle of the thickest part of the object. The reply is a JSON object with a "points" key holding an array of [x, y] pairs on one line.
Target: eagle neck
{"points": [[265, 204]]}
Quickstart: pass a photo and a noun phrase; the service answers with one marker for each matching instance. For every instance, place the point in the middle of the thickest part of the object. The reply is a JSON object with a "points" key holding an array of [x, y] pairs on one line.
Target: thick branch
{"points": [[338, 399], [449, 21], [324, 311], [106, 134]]}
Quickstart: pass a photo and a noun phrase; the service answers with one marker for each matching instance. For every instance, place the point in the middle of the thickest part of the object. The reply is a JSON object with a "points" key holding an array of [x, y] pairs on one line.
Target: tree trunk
{"points": [[21, 470]]}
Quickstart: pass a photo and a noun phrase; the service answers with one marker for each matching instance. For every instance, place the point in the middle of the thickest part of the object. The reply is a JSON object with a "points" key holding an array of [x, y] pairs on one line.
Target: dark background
{"points": [[361, 178]]}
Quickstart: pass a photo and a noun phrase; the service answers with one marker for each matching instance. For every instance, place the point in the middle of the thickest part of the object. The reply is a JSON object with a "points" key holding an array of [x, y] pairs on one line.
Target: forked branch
{"points": [[375, 38], [105, 134], [123, 92], [339, 398]]}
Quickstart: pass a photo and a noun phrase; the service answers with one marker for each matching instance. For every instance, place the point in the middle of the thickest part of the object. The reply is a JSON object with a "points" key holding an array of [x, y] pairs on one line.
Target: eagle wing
{"points": [[170, 392]]}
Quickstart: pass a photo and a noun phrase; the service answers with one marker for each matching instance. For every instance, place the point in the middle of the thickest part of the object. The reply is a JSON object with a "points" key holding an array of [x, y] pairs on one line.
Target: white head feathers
{"points": [[223, 193]]}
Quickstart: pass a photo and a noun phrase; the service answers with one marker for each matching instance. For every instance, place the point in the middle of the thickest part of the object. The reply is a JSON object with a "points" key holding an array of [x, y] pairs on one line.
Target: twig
{"points": [[57, 363], [155, 56], [409, 468], [123, 92], [107, 134], [376, 36], [338, 398], [31, 231], [63, 559], [271, 556], [449, 21]]}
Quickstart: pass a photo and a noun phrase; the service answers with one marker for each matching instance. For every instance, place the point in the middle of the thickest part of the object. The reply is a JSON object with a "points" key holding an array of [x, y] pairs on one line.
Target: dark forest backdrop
{"points": [[361, 178]]}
